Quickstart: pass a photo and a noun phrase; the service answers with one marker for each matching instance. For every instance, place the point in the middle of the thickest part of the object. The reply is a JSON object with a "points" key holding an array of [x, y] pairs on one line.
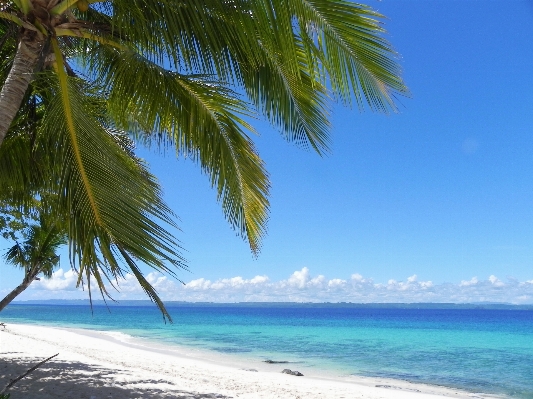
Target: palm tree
{"points": [[33, 163], [188, 74], [34, 168], [36, 255]]}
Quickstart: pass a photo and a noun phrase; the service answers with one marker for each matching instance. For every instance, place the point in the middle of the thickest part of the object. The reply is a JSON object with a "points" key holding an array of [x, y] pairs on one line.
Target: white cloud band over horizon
{"points": [[300, 286]]}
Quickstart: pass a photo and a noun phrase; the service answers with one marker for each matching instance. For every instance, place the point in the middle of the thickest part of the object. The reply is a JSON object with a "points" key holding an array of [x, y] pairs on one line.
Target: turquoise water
{"points": [[479, 350]]}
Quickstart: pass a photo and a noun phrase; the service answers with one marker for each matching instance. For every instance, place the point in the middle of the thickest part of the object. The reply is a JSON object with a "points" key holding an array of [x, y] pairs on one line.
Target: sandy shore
{"points": [[100, 365]]}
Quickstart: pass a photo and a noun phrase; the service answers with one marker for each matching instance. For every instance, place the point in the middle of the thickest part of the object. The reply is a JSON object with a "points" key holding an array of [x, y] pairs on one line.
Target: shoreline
{"points": [[97, 364]]}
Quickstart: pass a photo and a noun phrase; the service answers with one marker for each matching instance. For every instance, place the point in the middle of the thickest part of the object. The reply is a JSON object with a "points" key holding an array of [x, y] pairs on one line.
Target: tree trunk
{"points": [[19, 78], [28, 279]]}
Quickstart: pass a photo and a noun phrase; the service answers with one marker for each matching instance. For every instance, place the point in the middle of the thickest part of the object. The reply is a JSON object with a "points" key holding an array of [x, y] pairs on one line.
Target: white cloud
{"points": [[299, 278], [336, 283], [426, 284], [495, 281], [261, 280], [60, 281], [473, 281], [300, 286]]}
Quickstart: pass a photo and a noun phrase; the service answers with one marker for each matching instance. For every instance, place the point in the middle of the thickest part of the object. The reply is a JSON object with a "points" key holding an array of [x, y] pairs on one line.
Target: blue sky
{"points": [[442, 190]]}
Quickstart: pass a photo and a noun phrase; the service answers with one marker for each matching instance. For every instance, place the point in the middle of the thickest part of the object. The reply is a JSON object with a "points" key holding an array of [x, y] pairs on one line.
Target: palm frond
{"points": [[168, 72], [204, 121], [302, 46], [191, 35], [352, 49], [295, 103], [101, 218]]}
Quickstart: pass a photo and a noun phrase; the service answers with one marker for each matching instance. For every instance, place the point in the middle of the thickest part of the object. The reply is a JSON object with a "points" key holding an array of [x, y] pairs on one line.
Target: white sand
{"points": [[99, 365]]}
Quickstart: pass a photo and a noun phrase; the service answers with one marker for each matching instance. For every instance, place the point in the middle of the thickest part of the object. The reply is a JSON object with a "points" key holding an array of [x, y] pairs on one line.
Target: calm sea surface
{"points": [[479, 350]]}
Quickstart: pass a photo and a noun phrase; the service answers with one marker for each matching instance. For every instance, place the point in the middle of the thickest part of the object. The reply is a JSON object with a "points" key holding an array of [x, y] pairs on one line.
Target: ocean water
{"points": [[479, 350]]}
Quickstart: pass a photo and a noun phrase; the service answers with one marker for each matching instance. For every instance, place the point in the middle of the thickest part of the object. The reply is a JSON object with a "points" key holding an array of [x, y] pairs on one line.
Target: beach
{"points": [[101, 365]]}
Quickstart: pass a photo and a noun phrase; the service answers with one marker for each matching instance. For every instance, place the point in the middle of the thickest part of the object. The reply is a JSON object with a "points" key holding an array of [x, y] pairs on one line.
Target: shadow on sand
{"points": [[61, 379]]}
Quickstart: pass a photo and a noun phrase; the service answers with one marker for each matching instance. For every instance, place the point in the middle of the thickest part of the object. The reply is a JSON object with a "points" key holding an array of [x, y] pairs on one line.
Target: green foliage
{"points": [[38, 251], [185, 75], [37, 233], [13, 222]]}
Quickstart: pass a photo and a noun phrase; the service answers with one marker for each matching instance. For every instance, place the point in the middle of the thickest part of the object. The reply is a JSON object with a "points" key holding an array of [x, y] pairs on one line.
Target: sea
{"points": [[474, 348]]}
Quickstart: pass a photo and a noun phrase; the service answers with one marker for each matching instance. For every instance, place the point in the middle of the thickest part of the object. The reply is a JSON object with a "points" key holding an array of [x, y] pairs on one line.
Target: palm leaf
{"points": [[202, 120], [169, 73], [102, 218]]}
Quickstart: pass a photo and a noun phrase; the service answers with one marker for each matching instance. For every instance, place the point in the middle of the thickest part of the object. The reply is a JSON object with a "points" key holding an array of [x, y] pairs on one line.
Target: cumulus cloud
{"points": [[302, 286], [336, 283], [495, 281], [61, 281], [473, 281]]}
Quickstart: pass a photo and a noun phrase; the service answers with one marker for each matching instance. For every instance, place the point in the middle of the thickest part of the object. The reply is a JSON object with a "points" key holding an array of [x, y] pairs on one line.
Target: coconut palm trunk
{"points": [[18, 80], [29, 277]]}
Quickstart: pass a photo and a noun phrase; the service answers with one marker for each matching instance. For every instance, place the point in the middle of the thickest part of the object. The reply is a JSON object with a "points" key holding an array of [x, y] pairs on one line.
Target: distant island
{"points": [[170, 304]]}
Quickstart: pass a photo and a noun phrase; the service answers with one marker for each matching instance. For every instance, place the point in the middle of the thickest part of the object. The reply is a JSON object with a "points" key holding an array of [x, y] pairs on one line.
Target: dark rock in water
{"points": [[288, 371], [297, 373], [275, 361]]}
